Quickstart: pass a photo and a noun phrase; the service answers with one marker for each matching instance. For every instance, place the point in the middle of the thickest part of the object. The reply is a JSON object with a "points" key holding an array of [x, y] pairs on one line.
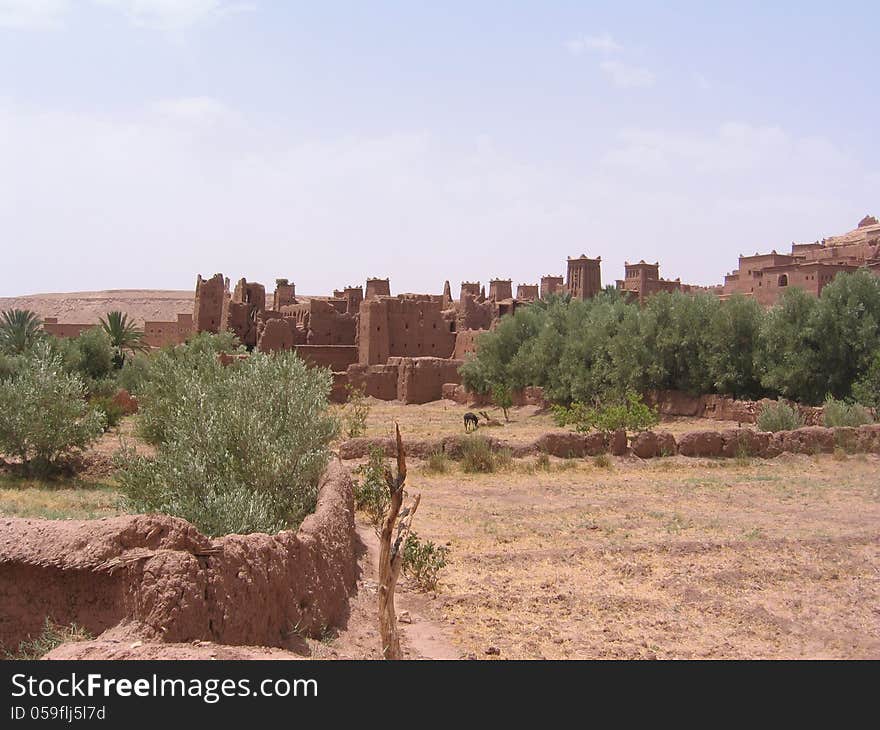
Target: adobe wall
{"points": [[466, 343], [421, 379], [551, 285], [327, 325], [211, 300], [500, 289], [335, 357], [51, 326], [471, 288], [394, 327], [277, 333], [377, 288], [734, 442], [285, 294], [160, 579], [527, 292], [473, 314], [377, 381], [719, 407], [160, 334]]}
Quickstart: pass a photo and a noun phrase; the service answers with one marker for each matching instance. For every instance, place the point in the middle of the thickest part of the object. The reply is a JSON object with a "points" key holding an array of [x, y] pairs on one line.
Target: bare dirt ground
{"points": [[445, 418], [624, 558], [89, 306], [672, 558]]}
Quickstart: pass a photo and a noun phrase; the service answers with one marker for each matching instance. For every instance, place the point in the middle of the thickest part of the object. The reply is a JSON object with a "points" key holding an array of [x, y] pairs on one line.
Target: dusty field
{"points": [[666, 558], [444, 418], [672, 558]]}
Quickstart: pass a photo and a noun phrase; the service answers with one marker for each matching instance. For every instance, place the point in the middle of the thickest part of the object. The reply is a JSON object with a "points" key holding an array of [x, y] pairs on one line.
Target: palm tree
{"points": [[19, 329], [124, 335]]}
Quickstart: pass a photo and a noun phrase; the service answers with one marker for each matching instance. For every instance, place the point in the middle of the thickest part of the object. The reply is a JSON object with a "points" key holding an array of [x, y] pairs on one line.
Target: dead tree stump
{"points": [[391, 552]]}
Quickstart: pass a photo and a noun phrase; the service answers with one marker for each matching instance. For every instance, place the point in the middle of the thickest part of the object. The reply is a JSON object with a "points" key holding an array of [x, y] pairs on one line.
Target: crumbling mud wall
{"points": [[731, 442], [720, 407], [335, 357], [421, 379], [160, 579]]}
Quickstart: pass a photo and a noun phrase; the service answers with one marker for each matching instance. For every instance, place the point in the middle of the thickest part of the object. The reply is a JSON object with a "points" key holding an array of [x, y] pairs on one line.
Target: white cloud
{"points": [[32, 14], [626, 76], [174, 15], [603, 43]]}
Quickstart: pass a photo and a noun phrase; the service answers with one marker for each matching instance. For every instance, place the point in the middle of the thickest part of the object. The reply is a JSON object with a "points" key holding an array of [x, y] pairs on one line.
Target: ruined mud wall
{"points": [[161, 579], [397, 327], [335, 357], [729, 443], [211, 302], [421, 379], [377, 381], [466, 343], [720, 407]]}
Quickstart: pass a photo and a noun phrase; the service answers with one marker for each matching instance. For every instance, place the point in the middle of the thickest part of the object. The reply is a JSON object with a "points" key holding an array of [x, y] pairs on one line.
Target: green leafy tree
{"points": [[91, 354], [242, 446], [124, 336], [734, 338], [43, 413], [19, 330], [866, 390], [847, 324], [788, 355], [503, 398]]}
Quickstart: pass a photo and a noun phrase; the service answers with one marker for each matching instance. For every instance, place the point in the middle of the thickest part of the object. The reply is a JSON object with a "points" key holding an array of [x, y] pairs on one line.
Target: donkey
{"points": [[471, 422]]}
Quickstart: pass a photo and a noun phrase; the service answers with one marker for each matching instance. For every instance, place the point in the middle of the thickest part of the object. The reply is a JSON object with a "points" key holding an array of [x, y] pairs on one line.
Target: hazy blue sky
{"points": [[144, 141]]}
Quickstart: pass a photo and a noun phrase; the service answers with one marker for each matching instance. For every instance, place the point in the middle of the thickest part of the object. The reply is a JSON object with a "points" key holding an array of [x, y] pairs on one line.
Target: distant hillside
{"points": [[86, 307]]}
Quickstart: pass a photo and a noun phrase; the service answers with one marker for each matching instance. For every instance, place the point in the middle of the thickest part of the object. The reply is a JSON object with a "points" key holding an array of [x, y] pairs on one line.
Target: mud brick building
{"points": [[809, 266]]}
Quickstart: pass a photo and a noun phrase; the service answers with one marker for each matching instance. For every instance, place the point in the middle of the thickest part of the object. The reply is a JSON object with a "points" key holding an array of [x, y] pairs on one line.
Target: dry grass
{"points": [[55, 500], [671, 557], [445, 418]]}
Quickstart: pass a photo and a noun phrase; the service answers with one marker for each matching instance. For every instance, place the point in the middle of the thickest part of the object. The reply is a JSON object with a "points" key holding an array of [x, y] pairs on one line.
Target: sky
{"points": [[145, 141]]}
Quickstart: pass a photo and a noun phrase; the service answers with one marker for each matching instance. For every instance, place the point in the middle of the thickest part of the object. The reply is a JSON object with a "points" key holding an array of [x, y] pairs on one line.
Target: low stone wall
{"points": [[159, 578], [646, 445]]}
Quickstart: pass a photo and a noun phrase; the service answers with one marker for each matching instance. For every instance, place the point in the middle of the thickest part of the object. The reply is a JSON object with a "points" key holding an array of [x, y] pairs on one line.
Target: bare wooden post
{"points": [[391, 553]]}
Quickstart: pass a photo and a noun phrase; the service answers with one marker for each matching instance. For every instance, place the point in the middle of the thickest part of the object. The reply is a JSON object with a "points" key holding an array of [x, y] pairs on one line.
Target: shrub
{"points": [[423, 561], [477, 456], [357, 410], [134, 373], [543, 461], [91, 354], [242, 447], [603, 461], [502, 396], [109, 408], [172, 376], [840, 413], [630, 414], [779, 416], [51, 637], [43, 413], [371, 494], [436, 463]]}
